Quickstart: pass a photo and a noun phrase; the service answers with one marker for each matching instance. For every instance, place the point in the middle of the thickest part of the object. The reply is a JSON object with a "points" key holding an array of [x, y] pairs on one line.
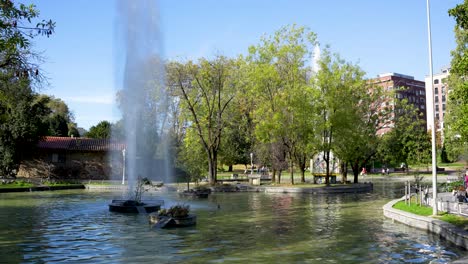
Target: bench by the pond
{"points": [[320, 178]]}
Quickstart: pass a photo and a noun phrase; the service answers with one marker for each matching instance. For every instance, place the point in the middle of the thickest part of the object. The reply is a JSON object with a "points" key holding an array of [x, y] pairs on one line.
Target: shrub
{"points": [[176, 211]]}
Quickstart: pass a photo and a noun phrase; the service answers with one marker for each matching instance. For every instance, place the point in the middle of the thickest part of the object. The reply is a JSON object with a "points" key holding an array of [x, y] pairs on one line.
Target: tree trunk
{"points": [[344, 171], [273, 175], [355, 168], [279, 177], [302, 175], [292, 172], [230, 168], [326, 157], [212, 160]]}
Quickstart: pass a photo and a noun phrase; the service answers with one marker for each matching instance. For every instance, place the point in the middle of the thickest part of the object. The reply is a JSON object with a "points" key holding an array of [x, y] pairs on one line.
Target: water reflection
{"points": [[76, 226]]}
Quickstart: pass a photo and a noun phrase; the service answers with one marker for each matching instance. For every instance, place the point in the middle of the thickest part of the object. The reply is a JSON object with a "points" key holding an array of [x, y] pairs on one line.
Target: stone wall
{"points": [[446, 230], [77, 165]]}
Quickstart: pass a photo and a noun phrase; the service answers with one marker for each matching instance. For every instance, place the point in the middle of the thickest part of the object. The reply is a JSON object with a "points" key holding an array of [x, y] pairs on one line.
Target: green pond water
{"points": [[77, 227]]}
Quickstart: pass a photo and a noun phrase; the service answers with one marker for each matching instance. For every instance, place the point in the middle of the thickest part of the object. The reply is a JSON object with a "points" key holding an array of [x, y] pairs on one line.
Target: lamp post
{"points": [[123, 166], [432, 118], [251, 164]]}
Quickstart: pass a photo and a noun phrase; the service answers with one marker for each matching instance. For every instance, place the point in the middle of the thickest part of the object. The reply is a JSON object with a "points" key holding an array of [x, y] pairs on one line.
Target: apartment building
{"points": [[440, 92], [404, 86]]}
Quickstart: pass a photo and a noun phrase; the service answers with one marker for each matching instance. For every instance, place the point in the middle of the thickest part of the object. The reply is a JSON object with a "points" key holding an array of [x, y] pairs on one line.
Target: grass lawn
{"points": [[17, 184], [25, 184], [414, 208]]}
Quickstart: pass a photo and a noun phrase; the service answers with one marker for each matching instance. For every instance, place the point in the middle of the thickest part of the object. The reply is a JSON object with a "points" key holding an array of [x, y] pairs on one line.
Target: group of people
{"points": [[385, 171]]}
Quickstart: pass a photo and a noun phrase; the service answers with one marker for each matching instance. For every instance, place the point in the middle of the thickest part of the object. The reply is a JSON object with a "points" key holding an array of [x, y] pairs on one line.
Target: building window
{"points": [[443, 107], [437, 99], [443, 98], [436, 81], [437, 116], [437, 108], [436, 90]]}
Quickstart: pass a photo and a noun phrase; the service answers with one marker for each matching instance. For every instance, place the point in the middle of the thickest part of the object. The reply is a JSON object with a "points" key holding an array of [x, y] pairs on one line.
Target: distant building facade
{"points": [[405, 87], [440, 91], [73, 158]]}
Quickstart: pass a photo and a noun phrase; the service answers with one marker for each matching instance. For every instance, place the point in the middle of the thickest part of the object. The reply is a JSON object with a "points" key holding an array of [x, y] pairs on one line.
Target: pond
{"points": [[77, 227]]}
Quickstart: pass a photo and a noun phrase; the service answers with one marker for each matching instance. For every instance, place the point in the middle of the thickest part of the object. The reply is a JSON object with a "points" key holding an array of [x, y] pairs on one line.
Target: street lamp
{"points": [[432, 118], [123, 166]]}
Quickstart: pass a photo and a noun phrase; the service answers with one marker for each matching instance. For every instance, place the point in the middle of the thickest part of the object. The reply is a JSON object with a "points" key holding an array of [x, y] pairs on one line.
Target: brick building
{"points": [[404, 86], [73, 158]]}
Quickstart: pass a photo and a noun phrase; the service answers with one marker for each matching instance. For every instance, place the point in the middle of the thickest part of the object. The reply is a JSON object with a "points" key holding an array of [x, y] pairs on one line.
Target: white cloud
{"points": [[100, 99]]}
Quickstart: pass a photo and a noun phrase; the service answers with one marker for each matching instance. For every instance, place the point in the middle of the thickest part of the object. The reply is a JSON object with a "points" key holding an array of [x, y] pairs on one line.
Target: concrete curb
{"points": [[351, 188], [446, 230], [41, 188]]}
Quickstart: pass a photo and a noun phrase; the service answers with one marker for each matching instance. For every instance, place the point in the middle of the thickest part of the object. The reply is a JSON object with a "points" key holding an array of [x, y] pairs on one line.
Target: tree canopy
{"points": [[21, 115], [456, 125], [102, 130]]}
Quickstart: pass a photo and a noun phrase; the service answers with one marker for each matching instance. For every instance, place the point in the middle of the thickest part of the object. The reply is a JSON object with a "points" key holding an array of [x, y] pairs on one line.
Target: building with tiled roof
{"points": [[80, 144], [74, 158]]}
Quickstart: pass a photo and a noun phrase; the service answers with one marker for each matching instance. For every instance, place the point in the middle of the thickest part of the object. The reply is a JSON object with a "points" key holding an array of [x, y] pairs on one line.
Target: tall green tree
{"points": [[61, 119], [284, 99], [21, 116], [408, 141], [101, 130], [205, 89], [346, 127], [21, 122], [456, 125], [238, 139]]}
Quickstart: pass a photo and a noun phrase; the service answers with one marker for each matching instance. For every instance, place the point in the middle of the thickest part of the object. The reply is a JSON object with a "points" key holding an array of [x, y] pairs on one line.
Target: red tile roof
{"points": [[80, 144]]}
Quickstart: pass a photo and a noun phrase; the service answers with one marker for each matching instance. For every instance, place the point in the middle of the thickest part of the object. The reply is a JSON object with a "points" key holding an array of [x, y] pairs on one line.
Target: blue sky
{"points": [[381, 36]]}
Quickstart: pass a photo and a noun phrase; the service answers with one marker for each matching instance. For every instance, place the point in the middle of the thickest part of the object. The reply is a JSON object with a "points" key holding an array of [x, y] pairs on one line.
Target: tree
{"points": [[347, 117], [238, 139], [205, 90], [101, 130], [16, 55], [61, 119], [21, 116], [456, 125], [408, 141], [284, 99], [21, 122]]}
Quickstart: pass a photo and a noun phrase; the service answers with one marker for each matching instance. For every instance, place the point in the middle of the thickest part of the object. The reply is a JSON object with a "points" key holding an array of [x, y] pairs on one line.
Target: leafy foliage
{"points": [[21, 122], [16, 55], [21, 116], [205, 90], [283, 98], [457, 106], [101, 130], [347, 116], [176, 211], [408, 141]]}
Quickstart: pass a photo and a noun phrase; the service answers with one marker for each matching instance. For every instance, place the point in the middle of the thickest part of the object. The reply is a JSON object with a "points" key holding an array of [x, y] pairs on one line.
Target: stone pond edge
{"points": [[445, 230], [42, 188]]}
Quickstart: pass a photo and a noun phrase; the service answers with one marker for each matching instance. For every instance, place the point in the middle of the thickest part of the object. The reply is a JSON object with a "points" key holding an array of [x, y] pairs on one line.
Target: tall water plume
{"points": [[315, 59], [142, 98]]}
